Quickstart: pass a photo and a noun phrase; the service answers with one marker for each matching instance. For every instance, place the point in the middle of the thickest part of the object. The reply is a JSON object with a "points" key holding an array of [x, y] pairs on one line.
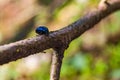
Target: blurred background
{"points": [[95, 55]]}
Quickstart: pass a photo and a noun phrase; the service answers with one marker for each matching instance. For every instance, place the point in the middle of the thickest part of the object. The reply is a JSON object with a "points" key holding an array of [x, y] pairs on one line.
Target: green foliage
{"points": [[8, 72], [73, 47], [100, 68], [57, 10], [116, 74], [115, 56], [45, 2], [113, 23], [42, 73], [75, 65]]}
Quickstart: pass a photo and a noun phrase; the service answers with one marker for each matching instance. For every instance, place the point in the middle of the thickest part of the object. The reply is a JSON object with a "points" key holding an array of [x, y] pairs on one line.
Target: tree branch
{"points": [[23, 48], [56, 64]]}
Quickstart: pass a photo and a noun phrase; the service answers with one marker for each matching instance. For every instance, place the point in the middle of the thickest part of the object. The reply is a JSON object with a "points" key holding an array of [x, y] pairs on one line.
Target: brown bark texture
{"points": [[60, 38]]}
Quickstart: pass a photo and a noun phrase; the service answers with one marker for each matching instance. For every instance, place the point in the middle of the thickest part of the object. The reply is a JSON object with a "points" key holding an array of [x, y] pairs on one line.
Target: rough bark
{"points": [[24, 48]]}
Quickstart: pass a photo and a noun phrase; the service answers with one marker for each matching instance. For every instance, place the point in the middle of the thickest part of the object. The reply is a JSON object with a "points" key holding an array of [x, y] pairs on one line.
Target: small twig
{"points": [[56, 64], [57, 57]]}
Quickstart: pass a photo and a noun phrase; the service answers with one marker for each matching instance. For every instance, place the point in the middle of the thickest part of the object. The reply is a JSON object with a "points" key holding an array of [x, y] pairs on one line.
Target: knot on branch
{"points": [[104, 4], [60, 42], [60, 45]]}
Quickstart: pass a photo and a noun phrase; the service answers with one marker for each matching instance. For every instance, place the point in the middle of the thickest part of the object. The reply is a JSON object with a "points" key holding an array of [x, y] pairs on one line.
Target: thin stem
{"points": [[56, 65]]}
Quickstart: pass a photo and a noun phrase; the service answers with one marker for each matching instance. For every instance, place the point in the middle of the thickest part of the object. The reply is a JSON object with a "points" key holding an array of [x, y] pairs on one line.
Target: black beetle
{"points": [[42, 30]]}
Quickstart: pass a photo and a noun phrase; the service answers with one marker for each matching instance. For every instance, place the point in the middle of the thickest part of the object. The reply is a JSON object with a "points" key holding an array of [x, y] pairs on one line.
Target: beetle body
{"points": [[42, 30]]}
